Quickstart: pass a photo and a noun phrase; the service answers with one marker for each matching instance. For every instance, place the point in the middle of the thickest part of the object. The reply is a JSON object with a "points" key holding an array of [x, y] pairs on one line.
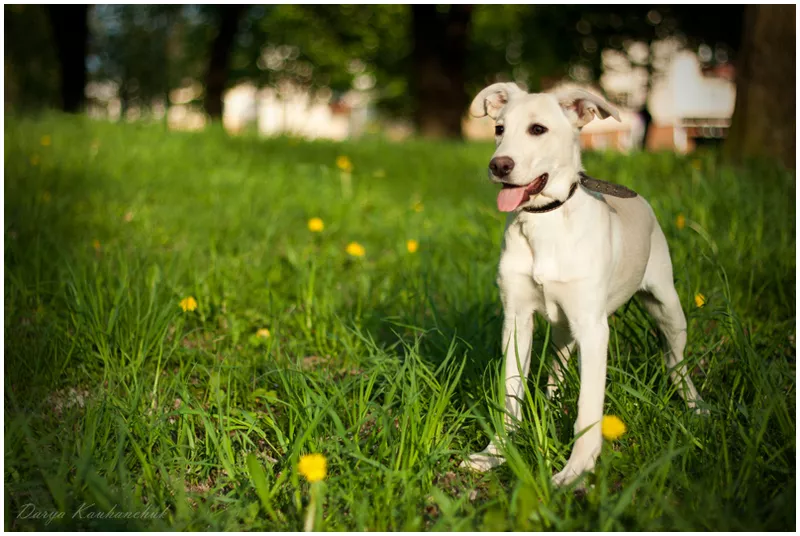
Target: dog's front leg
{"points": [[518, 338], [517, 341], [592, 335]]}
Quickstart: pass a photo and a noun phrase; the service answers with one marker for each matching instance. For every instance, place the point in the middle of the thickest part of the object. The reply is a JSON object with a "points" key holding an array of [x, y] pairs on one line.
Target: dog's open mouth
{"points": [[511, 196]]}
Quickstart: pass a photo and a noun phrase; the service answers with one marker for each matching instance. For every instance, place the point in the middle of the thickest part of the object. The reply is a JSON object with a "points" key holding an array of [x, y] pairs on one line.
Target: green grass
{"points": [[116, 399]]}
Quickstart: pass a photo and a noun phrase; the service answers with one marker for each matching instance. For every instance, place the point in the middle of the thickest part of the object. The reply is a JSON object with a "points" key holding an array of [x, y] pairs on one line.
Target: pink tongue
{"points": [[510, 198]]}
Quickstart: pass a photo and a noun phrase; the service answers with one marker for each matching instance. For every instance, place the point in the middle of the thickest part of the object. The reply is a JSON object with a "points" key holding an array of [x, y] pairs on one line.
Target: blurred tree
{"points": [[506, 44], [440, 35], [31, 65], [216, 78], [71, 36], [370, 48], [411, 60], [764, 121], [141, 50], [327, 48]]}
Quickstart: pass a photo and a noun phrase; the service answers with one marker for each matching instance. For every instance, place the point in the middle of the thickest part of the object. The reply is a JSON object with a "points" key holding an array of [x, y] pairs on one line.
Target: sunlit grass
{"points": [[181, 327]]}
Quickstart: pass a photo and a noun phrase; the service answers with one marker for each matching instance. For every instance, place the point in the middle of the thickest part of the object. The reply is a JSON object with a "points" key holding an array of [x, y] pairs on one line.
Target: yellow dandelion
{"points": [[35, 160], [699, 300], [613, 427], [412, 246], [262, 333], [96, 244], [417, 206], [45, 140], [188, 304], [343, 163], [316, 225], [680, 221], [355, 249], [313, 467]]}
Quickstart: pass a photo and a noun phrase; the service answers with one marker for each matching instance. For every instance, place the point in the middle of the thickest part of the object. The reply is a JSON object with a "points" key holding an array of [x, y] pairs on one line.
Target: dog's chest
{"points": [[559, 255]]}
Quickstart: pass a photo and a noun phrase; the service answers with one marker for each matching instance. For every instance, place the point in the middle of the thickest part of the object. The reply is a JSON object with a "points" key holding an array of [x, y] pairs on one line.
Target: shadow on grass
{"points": [[46, 228]]}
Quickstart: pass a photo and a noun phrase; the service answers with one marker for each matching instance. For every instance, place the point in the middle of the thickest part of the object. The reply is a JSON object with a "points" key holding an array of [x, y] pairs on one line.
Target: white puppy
{"points": [[572, 254]]}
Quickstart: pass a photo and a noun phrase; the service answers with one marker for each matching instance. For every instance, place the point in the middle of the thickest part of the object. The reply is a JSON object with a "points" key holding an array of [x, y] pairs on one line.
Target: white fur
{"points": [[575, 265]]}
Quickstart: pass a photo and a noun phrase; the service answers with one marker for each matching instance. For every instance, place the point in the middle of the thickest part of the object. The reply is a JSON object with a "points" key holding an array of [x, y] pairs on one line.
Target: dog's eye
{"points": [[536, 130], [498, 130]]}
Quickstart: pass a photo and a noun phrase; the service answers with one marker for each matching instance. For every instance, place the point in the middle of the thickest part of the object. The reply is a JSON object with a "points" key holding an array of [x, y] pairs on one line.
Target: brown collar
{"points": [[590, 183]]}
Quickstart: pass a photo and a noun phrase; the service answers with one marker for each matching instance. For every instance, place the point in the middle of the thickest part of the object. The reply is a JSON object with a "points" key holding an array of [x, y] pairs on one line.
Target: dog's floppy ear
{"points": [[492, 99], [581, 106]]}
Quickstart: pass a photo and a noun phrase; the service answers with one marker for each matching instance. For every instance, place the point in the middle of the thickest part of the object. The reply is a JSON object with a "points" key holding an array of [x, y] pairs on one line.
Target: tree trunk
{"points": [[71, 36], [647, 118], [219, 62], [440, 50], [763, 122]]}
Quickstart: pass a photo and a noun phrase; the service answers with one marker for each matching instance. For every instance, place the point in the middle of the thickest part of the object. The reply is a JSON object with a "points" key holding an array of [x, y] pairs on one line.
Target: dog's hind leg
{"points": [[665, 307], [659, 297], [564, 344]]}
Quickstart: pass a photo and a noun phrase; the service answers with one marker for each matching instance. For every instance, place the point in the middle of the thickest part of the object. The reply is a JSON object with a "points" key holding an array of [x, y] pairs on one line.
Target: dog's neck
{"points": [[562, 186]]}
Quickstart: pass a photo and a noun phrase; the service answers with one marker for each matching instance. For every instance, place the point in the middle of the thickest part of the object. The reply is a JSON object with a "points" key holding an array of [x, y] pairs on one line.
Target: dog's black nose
{"points": [[501, 166]]}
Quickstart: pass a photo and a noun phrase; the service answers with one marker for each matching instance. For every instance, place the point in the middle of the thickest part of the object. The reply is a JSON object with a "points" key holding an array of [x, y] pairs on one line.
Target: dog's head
{"points": [[537, 136]]}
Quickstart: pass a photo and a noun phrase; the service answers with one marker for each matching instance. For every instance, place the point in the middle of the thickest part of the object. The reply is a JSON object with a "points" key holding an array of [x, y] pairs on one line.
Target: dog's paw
{"points": [[697, 408], [572, 471], [485, 460], [552, 388], [482, 462]]}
